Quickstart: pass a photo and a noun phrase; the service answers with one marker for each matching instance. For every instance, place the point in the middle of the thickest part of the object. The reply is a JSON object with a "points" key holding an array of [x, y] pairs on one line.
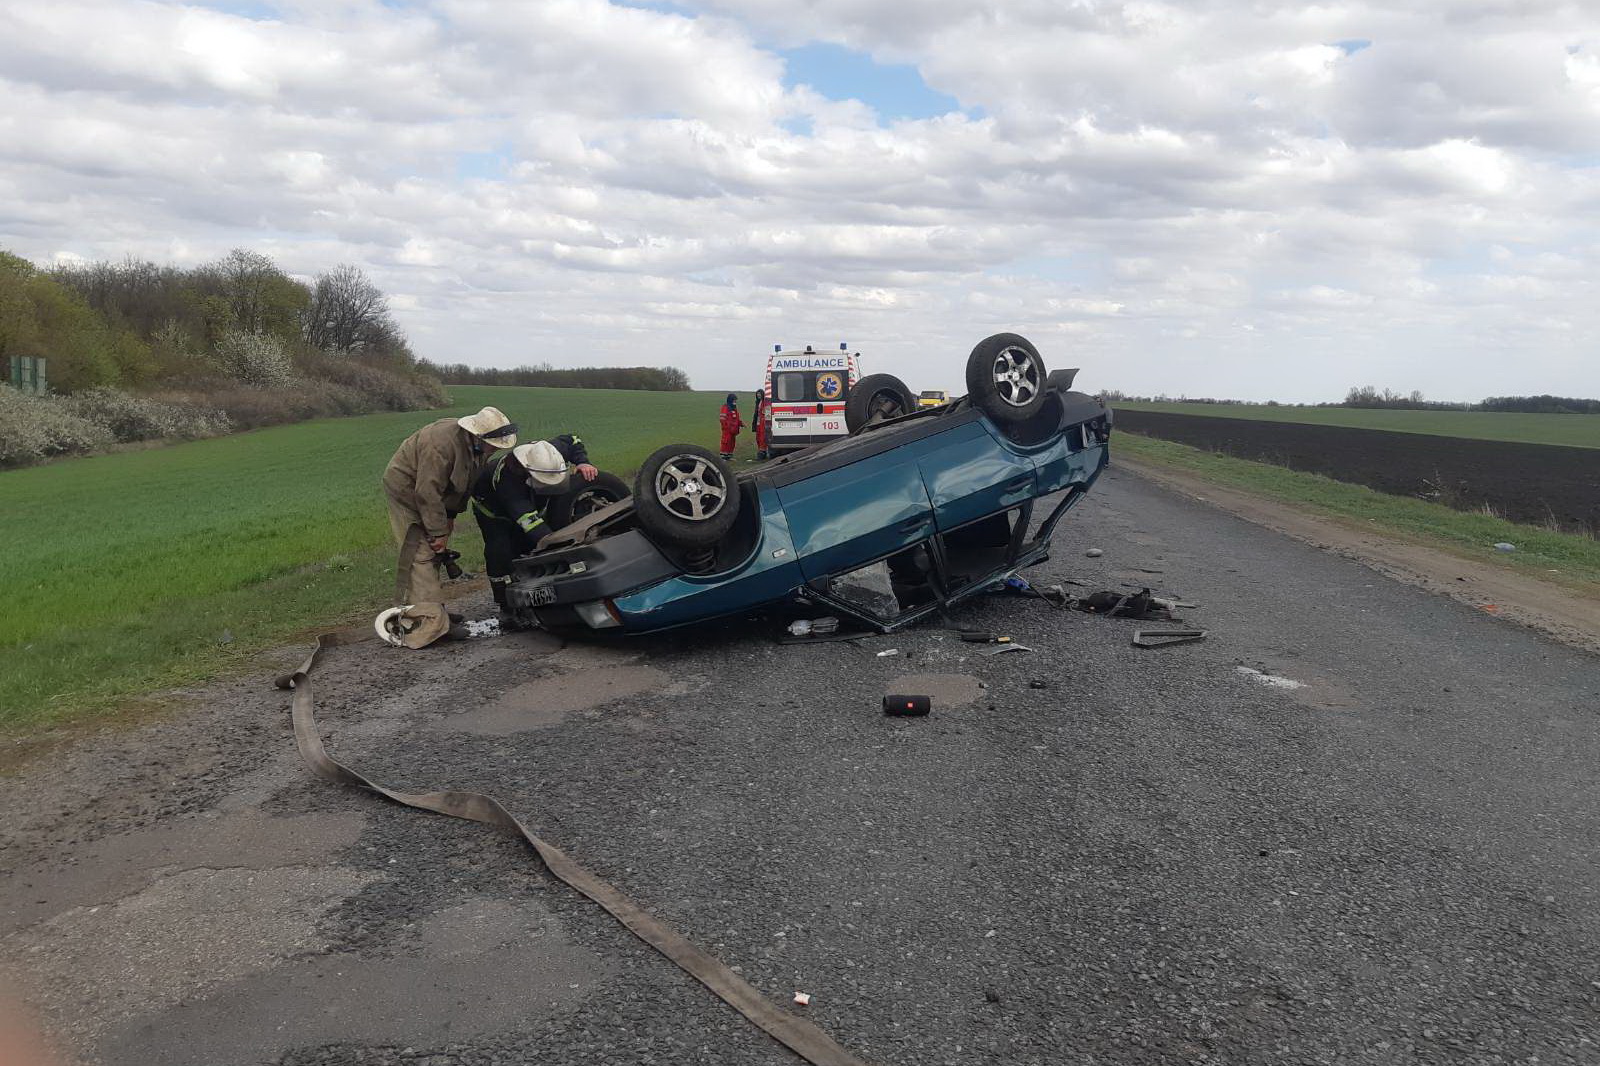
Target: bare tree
{"points": [[247, 277], [347, 312]]}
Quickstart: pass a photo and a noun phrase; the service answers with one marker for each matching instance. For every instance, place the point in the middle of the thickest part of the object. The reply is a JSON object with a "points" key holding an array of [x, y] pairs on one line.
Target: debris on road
{"points": [[1054, 595], [1002, 649], [1124, 605], [1161, 638], [487, 627], [888, 652], [1094, 553], [973, 637], [1270, 679], [808, 627], [802, 999], [1038, 682], [907, 706]]}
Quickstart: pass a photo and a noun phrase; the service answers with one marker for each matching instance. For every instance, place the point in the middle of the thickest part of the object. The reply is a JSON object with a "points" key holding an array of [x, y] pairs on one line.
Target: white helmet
{"points": [[412, 626], [545, 466]]}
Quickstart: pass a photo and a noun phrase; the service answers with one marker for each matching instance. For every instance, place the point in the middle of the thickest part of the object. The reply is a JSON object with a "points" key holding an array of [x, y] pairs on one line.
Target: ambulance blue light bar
{"points": [[843, 347], [777, 347]]}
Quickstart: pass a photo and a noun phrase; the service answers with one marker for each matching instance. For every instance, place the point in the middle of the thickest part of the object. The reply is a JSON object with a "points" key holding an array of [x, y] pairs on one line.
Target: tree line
{"points": [[643, 378]]}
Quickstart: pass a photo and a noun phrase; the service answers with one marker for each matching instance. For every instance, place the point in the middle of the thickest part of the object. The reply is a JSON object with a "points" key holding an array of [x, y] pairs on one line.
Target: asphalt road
{"points": [[1156, 857]]}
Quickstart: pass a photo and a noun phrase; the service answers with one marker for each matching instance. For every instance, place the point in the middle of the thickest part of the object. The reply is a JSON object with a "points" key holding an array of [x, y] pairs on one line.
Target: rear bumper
{"points": [[547, 586]]}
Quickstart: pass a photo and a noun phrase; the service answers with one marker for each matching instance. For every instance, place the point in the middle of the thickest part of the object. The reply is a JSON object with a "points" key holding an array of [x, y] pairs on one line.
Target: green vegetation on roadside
{"points": [[1539, 551], [1573, 431], [133, 572]]}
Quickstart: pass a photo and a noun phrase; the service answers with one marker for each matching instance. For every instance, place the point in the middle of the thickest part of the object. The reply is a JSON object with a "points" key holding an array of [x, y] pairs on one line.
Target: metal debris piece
{"points": [[1094, 553], [1002, 649], [1161, 638]]}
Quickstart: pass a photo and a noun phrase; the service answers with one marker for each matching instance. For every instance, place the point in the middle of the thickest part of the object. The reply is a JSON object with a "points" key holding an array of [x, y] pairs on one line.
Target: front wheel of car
{"points": [[877, 398], [1006, 377], [585, 497], [686, 496]]}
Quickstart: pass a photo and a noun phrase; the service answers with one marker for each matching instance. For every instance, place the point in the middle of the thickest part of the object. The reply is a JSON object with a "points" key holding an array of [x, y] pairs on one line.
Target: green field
{"points": [[132, 572], [1564, 558], [1576, 431]]}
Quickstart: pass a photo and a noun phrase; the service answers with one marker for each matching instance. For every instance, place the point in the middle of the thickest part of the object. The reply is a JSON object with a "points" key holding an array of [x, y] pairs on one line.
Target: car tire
{"points": [[667, 512], [1006, 378], [877, 398], [584, 497], [1061, 380]]}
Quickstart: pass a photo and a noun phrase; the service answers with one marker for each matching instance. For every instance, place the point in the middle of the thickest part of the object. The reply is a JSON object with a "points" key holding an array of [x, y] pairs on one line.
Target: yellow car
{"points": [[932, 398]]}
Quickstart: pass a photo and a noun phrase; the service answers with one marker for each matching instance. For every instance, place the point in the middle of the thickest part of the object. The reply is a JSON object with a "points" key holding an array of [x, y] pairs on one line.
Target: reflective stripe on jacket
{"points": [[501, 490]]}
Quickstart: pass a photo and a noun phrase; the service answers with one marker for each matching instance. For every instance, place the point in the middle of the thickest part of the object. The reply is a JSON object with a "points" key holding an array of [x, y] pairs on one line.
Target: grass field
{"points": [[132, 572], [1576, 431], [1539, 551]]}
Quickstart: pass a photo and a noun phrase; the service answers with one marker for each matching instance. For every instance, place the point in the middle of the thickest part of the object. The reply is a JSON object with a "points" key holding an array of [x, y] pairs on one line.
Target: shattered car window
{"points": [[889, 587]]}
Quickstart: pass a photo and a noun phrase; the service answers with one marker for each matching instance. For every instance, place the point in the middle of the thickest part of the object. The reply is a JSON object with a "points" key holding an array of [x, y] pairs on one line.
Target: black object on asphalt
{"points": [[1160, 638], [907, 706], [1139, 605]]}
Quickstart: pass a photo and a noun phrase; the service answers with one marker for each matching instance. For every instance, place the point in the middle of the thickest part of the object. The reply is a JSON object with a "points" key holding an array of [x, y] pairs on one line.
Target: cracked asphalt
{"points": [[1104, 854]]}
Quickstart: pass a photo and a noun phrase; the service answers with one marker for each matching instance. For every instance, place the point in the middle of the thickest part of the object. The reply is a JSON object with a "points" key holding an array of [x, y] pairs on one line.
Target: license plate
{"points": [[540, 595], [791, 423]]}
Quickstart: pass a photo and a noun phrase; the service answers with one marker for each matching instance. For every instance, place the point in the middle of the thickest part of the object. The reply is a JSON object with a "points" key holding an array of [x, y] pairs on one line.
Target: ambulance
{"points": [[806, 391]]}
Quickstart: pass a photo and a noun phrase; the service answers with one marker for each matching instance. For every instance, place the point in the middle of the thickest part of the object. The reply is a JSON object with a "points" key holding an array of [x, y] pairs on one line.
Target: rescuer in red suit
{"points": [[731, 425], [758, 422]]}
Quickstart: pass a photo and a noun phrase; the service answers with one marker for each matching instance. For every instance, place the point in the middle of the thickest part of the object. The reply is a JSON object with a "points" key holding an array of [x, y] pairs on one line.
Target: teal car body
{"points": [[886, 525]]}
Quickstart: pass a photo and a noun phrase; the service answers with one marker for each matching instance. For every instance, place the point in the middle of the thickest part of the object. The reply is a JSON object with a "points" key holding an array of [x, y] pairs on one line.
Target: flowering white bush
{"points": [[131, 418], [35, 427], [257, 359]]}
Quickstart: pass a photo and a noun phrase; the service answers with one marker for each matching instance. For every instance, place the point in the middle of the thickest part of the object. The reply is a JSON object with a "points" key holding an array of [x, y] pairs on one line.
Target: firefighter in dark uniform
{"points": [[509, 499]]}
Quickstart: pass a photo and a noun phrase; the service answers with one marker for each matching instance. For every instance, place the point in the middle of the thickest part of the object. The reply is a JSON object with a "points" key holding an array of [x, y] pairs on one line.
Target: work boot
{"points": [[510, 623]]}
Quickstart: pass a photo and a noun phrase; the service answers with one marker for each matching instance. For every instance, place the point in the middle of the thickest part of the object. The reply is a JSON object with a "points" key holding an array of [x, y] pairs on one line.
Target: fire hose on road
{"points": [[796, 1033]]}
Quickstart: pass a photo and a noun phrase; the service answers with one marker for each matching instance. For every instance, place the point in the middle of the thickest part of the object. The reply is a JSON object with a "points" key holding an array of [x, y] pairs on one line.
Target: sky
{"points": [[1257, 199]]}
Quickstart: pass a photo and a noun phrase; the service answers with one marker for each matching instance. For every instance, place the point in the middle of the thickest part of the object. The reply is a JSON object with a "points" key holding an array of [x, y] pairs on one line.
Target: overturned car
{"points": [[915, 509]]}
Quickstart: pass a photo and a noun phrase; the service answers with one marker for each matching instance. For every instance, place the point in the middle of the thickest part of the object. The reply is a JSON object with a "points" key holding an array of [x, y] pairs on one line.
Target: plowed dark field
{"points": [[1524, 482]]}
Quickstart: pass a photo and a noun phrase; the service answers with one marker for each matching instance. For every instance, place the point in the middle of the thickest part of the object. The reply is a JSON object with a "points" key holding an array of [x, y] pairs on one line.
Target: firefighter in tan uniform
{"points": [[428, 483]]}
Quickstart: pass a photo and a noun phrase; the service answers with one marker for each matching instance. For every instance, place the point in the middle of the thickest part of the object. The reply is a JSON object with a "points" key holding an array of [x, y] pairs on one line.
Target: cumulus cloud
{"points": [[1243, 198]]}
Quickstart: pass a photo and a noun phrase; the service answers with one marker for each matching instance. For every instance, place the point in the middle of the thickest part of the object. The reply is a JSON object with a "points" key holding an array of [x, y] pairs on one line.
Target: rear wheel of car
{"points": [[1006, 377], [877, 398], [585, 497], [686, 496]]}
